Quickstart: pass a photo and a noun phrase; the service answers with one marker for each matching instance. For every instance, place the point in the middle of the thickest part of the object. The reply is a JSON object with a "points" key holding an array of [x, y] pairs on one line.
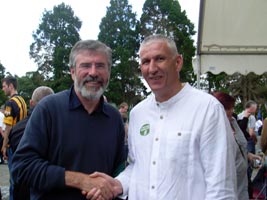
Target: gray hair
{"points": [[90, 45], [158, 37], [40, 93], [250, 103]]}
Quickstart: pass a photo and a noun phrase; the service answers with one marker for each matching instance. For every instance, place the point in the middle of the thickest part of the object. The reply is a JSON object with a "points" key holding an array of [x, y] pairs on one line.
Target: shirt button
{"points": [[157, 139], [161, 117], [179, 134], [153, 187], [154, 162]]}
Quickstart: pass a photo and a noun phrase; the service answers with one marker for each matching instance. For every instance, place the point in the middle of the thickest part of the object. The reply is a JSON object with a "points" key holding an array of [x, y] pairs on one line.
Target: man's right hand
{"points": [[247, 113], [95, 194], [86, 183]]}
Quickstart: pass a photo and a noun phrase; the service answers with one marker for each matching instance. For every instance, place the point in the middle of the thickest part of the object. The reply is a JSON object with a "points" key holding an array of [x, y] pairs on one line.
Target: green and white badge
{"points": [[145, 130]]}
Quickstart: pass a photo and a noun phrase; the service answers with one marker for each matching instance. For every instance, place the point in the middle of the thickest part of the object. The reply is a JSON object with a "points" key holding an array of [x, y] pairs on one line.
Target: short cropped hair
{"points": [[250, 103], [10, 80], [158, 37], [90, 45], [40, 93]]}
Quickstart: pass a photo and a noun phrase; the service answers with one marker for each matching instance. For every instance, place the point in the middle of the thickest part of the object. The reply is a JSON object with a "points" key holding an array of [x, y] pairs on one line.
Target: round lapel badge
{"points": [[145, 129]]}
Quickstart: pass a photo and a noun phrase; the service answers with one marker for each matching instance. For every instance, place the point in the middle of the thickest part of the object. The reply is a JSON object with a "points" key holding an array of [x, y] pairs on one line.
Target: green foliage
{"points": [[53, 40], [61, 84], [214, 82], [28, 83], [242, 87], [165, 17], [249, 87], [118, 31]]}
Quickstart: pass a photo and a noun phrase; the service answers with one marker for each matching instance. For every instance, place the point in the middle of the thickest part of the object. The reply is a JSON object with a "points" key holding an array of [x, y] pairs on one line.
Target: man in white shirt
{"points": [[180, 141]]}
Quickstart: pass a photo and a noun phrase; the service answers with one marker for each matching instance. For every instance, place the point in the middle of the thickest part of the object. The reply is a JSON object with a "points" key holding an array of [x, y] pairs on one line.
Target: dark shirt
{"points": [[61, 135], [17, 131], [243, 124]]}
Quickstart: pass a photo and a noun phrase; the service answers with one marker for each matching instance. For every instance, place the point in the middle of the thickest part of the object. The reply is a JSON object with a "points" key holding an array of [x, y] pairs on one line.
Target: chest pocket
{"points": [[177, 145]]}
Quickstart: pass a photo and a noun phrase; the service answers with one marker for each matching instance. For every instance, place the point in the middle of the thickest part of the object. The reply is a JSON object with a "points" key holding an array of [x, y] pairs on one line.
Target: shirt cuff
{"points": [[124, 193]]}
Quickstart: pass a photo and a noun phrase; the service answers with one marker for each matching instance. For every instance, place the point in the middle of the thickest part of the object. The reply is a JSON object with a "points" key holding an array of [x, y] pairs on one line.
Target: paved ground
{"points": [[4, 181]]}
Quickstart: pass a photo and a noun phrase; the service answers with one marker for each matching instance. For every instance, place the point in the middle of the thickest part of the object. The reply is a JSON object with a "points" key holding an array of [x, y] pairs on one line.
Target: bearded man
{"points": [[73, 133]]}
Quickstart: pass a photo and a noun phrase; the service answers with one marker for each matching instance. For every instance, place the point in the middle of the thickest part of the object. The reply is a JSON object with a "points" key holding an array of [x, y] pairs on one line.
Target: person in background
{"points": [[264, 134], [247, 123], [123, 108], [21, 191], [15, 110], [242, 155], [250, 109], [73, 133], [258, 127], [2, 129], [180, 140]]}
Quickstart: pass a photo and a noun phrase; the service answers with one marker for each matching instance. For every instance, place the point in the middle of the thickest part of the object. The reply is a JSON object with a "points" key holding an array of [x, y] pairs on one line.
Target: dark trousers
{"points": [[251, 146]]}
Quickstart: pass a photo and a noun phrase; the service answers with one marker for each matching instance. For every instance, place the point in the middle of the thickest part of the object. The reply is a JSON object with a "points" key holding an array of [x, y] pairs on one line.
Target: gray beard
{"points": [[91, 94]]}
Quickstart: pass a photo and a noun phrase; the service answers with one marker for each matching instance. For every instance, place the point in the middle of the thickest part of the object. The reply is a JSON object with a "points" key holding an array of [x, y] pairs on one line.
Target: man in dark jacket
{"points": [[73, 133]]}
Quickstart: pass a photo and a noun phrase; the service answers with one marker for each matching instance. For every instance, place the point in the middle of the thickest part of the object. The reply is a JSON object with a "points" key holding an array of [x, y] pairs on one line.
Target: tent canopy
{"points": [[232, 37]]}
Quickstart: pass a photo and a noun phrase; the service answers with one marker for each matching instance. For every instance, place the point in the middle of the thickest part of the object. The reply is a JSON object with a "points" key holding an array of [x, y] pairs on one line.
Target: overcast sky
{"points": [[18, 19]]}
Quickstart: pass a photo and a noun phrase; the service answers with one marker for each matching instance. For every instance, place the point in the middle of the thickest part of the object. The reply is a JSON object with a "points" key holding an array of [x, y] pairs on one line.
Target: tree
{"points": [[215, 82], [29, 82], [248, 87], [53, 40], [118, 31], [242, 87], [165, 17]]}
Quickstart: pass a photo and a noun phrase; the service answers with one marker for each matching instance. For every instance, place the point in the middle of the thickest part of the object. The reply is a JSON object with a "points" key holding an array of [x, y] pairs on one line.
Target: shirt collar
{"points": [[174, 98], [16, 94], [75, 103]]}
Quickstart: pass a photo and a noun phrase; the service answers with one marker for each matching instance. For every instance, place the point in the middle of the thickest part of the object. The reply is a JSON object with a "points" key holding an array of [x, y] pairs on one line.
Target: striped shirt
{"points": [[15, 110]]}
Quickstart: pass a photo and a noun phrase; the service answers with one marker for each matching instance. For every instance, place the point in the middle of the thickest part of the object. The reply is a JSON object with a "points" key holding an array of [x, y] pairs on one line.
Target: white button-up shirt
{"points": [[180, 149]]}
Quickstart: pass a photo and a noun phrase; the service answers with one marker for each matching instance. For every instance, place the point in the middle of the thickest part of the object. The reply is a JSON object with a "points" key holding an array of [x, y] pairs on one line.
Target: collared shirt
{"points": [[181, 149], [60, 135]]}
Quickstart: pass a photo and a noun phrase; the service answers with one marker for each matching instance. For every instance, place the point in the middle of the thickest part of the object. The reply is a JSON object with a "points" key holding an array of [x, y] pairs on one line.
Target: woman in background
{"points": [[242, 155]]}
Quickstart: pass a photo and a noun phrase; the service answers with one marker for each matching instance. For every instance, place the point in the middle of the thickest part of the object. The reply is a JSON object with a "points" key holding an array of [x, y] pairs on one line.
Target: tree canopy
{"points": [[166, 17], [118, 29], [53, 40]]}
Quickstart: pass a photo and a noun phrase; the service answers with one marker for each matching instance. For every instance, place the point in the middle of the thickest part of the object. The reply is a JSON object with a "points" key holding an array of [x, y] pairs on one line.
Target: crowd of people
{"points": [[178, 143]]}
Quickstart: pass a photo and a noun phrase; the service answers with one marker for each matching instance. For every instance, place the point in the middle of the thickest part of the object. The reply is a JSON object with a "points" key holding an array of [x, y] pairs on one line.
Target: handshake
{"points": [[96, 186]]}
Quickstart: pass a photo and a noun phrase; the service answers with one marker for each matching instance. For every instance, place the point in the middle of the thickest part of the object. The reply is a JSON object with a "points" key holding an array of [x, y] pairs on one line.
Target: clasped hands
{"points": [[100, 186]]}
